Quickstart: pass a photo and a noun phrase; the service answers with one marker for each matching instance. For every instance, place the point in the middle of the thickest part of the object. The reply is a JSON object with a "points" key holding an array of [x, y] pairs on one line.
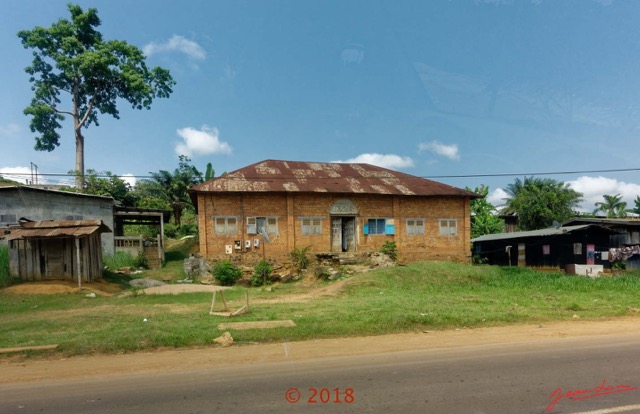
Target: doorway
{"points": [[343, 233]]}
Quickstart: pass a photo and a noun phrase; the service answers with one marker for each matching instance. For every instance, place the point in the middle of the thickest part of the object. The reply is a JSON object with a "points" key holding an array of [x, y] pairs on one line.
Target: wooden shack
{"points": [[57, 250]]}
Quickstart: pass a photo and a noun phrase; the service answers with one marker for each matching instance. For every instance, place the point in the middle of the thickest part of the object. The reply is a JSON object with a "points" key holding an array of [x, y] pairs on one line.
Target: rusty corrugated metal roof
{"points": [[58, 228], [318, 177]]}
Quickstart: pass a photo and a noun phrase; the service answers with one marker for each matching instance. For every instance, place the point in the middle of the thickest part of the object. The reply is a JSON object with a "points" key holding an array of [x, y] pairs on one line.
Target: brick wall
{"points": [[288, 208]]}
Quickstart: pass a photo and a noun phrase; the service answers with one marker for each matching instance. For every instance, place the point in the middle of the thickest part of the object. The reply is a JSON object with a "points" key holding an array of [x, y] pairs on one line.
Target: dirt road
{"points": [[19, 369]]}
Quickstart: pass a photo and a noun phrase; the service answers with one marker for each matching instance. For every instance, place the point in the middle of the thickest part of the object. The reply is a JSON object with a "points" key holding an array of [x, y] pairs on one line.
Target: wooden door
{"points": [[336, 234], [54, 260]]}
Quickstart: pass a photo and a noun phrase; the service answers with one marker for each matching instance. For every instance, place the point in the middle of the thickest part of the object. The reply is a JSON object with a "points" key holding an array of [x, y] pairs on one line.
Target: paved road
{"points": [[481, 379]]}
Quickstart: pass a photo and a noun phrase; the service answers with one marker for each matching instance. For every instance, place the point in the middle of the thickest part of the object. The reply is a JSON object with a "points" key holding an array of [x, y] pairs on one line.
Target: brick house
{"points": [[332, 207]]}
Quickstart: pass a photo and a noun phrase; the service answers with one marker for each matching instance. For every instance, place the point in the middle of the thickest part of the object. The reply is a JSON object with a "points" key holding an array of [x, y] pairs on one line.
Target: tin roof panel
{"points": [[298, 176]]}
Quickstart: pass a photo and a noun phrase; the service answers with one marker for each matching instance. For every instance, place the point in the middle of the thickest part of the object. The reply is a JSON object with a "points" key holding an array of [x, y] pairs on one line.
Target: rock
{"points": [[146, 283], [225, 340], [286, 278], [275, 277], [196, 266]]}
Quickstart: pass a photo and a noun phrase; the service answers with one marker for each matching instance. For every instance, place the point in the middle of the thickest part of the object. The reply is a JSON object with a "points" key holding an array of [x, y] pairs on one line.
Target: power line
{"points": [[534, 173], [331, 178]]}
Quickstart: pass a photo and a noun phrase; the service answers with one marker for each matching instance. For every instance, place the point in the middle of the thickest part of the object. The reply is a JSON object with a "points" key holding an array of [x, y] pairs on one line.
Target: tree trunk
{"points": [[79, 161], [177, 213], [78, 121]]}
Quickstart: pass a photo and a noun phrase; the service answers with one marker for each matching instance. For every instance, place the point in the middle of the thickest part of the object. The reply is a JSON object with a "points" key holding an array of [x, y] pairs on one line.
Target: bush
{"points": [[389, 248], [176, 232], [124, 259], [262, 273], [299, 257], [226, 273], [619, 265]]}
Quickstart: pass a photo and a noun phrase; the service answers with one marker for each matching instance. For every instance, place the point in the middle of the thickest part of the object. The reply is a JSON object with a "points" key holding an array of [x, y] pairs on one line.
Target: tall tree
{"points": [[612, 206], [539, 202], [173, 187], [636, 208], [70, 57], [210, 172], [483, 214]]}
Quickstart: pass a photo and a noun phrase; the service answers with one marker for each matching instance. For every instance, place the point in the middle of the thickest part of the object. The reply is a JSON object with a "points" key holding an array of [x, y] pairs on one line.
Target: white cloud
{"points": [[497, 197], [129, 178], [201, 142], [391, 161], [593, 188], [19, 174], [449, 151], [176, 44]]}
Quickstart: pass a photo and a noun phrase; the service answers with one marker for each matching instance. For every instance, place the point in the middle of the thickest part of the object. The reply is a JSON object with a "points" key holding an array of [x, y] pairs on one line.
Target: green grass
{"points": [[5, 276], [123, 259], [428, 295]]}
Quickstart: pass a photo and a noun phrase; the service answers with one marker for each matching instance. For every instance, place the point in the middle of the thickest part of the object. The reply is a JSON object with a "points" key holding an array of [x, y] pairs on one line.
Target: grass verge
{"points": [[428, 295]]}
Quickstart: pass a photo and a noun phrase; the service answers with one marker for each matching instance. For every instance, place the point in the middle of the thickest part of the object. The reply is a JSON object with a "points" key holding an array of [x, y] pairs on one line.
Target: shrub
{"points": [[226, 273], [389, 248], [262, 273], [619, 265], [124, 259], [299, 257]]}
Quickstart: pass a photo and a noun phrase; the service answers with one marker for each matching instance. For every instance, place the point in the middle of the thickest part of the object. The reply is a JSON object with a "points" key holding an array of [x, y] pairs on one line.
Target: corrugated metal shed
{"points": [[551, 231], [318, 177], [53, 229]]}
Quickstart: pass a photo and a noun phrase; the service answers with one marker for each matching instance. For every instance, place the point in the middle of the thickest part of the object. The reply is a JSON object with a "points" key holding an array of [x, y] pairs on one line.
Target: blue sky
{"points": [[430, 88]]}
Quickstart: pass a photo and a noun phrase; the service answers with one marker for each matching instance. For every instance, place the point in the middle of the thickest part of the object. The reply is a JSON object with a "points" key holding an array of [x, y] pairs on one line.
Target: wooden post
{"points": [[78, 263]]}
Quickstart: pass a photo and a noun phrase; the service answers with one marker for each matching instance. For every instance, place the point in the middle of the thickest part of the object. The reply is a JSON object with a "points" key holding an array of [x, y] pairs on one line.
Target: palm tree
{"points": [[612, 206], [173, 187], [539, 202], [636, 209]]}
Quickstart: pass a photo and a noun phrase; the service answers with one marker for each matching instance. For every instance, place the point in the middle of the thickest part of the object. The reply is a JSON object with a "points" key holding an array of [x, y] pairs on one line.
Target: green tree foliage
{"points": [[172, 188], [107, 184], [71, 57], [539, 202], [612, 206], [210, 173], [483, 214], [636, 208]]}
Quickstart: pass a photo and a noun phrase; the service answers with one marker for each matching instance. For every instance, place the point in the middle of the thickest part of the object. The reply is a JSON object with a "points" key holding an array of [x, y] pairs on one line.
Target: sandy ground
{"points": [[18, 369]]}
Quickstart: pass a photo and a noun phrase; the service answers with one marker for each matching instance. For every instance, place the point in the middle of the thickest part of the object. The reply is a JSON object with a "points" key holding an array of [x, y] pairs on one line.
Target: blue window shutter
{"points": [[366, 229], [389, 229]]}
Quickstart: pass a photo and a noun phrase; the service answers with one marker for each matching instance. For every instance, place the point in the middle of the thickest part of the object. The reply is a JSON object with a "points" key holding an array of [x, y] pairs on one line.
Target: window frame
{"points": [[448, 221], [311, 229], [227, 229], [270, 223], [415, 229], [8, 218], [388, 226]]}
